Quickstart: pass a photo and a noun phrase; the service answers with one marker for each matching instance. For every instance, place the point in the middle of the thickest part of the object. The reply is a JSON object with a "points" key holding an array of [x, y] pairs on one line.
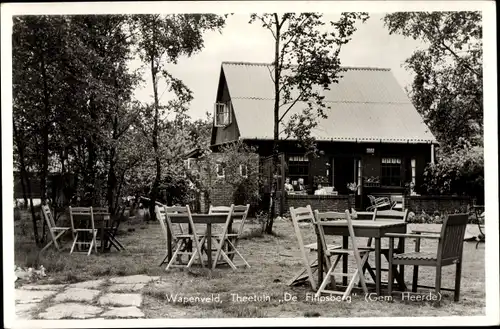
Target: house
{"points": [[372, 135]]}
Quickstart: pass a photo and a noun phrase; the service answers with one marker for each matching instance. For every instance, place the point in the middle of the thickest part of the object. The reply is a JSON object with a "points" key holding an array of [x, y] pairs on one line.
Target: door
{"points": [[343, 174]]}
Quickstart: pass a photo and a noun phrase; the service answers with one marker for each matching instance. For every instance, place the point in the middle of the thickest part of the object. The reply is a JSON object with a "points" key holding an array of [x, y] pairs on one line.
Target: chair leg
{"points": [[327, 276], [48, 245], [414, 284], [458, 276], [438, 284], [174, 255], [74, 243]]}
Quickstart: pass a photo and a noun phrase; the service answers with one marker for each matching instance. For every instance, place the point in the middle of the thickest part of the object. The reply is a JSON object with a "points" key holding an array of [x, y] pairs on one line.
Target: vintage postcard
{"points": [[299, 163]]}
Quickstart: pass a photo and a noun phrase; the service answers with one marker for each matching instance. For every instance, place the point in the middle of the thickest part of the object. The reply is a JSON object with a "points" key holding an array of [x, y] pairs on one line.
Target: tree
{"points": [[161, 40], [306, 61], [447, 88]]}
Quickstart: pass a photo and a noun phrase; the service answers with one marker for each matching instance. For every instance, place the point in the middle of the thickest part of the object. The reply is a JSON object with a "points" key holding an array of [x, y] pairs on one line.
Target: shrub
{"points": [[457, 171]]}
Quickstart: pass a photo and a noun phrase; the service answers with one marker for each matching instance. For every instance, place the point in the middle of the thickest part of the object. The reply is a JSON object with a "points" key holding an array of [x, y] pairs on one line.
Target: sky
{"points": [[371, 46]]}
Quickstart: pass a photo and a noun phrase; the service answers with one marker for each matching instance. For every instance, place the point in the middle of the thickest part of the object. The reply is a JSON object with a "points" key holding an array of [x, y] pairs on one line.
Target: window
{"points": [[221, 172], [391, 172], [222, 114], [298, 167], [244, 170], [187, 164], [413, 170]]}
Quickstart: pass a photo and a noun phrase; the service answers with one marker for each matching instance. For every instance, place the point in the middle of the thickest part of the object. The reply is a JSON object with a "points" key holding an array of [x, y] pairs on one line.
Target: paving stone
{"points": [[121, 299], [32, 296], [23, 311], [43, 287], [70, 310], [124, 312], [77, 295], [126, 287], [133, 279], [93, 284]]}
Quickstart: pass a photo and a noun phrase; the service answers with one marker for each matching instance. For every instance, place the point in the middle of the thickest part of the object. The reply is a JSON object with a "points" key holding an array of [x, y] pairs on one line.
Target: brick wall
{"points": [[437, 203], [318, 202]]}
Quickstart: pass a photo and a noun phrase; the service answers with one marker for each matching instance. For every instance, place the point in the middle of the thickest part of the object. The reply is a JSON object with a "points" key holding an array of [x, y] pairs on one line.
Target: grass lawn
{"points": [[273, 259]]}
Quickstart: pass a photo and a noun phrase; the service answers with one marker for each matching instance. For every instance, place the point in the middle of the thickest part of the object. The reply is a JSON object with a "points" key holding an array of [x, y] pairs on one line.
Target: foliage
{"points": [[306, 62], [460, 171], [160, 40], [447, 87]]}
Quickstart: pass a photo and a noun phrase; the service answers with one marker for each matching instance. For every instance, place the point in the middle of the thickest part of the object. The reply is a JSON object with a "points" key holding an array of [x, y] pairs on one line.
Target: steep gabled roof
{"points": [[367, 104]]}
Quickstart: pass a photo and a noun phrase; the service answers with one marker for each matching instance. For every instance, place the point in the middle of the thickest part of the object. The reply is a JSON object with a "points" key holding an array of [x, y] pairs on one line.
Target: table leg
{"points": [[321, 257], [345, 245], [103, 243], [402, 267], [377, 265], [169, 243], [209, 245]]}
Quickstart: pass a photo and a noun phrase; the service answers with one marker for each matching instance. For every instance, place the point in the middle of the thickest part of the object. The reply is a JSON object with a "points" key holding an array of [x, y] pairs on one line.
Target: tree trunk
{"points": [[112, 180], [156, 182], [24, 176], [45, 132], [272, 213]]}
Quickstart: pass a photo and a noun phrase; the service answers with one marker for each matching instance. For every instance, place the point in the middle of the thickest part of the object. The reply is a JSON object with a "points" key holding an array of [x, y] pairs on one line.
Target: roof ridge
{"points": [[357, 68]]}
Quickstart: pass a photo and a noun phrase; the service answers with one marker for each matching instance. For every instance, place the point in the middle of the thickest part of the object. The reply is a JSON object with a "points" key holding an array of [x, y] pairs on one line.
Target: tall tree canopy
{"points": [[447, 88], [306, 61]]}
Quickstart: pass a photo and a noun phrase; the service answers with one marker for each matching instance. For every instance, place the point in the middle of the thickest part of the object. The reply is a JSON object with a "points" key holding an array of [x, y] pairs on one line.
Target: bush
{"points": [[457, 171]]}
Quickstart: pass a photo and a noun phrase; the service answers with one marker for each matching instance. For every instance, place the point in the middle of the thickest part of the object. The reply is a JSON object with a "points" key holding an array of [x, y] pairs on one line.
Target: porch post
{"points": [[432, 153]]}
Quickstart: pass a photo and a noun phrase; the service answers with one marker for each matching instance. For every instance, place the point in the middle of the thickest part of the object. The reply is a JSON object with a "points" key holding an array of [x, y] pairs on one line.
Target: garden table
{"points": [[207, 219], [362, 228]]}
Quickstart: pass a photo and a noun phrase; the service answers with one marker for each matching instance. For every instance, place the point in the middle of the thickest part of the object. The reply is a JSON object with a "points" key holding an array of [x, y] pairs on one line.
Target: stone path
{"points": [[119, 297]]}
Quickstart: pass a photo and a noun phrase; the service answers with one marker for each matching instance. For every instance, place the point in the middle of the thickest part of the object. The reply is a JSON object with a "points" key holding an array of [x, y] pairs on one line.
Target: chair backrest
{"points": [[391, 215], [323, 217], [81, 212], [161, 217], [302, 215], [219, 209], [452, 236], [180, 210], [241, 212], [47, 215]]}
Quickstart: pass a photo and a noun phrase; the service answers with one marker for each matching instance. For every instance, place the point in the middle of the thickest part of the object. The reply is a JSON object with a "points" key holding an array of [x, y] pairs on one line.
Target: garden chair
{"points": [[378, 202], [240, 214], [161, 214], [299, 216], [112, 230], [56, 232], [480, 215], [397, 202], [183, 241], [388, 215], [230, 240], [449, 252], [79, 232], [360, 258]]}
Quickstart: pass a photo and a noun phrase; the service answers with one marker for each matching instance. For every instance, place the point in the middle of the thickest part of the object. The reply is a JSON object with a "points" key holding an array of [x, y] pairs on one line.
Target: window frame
{"points": [[246, 170], [226, 114], [298, 160], [392, 163], [217, 166]]}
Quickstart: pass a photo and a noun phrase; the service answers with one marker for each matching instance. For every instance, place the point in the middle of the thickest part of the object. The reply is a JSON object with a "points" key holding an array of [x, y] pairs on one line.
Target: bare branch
{"points": [[289, 108]]}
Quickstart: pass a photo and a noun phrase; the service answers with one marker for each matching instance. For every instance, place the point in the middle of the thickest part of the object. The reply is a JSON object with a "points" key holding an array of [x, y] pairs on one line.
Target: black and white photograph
{"points": [[298, 163]]}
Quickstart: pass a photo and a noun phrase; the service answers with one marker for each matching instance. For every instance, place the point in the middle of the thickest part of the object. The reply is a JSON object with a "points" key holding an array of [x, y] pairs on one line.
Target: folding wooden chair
{"points": [[183, 241], [55, 231], [227, 241], [80, 232], [380, 202], [449, 252], [360, 257], [305, 215], [112, 230]]}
